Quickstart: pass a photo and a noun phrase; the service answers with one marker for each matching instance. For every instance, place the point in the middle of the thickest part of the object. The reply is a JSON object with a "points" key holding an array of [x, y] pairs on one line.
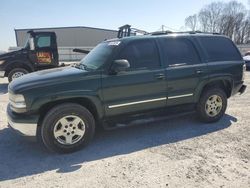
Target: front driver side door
{"points": [[45, 53], [141, 87]]}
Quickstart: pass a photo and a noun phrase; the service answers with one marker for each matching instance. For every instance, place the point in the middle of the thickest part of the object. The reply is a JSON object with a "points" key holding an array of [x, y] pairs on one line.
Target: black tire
{"points": [[15, 71], [202, 106], [54, 115]]}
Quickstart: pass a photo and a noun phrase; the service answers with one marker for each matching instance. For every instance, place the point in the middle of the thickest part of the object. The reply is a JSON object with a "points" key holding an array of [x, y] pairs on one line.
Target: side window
{"points": [[141, 54], [220, 49], [43, 41], [179, 51]]}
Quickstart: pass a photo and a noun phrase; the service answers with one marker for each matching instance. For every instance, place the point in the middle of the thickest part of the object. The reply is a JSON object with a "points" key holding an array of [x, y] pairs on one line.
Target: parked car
{"points": [[121, 78], [247, 53], [247, 61]]}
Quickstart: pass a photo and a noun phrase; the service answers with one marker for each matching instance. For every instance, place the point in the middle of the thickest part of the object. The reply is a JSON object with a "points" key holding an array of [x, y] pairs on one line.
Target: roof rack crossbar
{"points": [[182, 32]]}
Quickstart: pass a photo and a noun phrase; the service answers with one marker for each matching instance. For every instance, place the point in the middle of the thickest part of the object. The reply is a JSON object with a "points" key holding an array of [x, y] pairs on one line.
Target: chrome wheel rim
{"points": [[69, 130], [17, 75], [213, 105]]}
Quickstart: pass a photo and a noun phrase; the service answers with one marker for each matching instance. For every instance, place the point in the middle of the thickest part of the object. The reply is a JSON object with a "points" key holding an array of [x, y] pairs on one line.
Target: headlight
{"points": [[17, 103], [1, 62]]}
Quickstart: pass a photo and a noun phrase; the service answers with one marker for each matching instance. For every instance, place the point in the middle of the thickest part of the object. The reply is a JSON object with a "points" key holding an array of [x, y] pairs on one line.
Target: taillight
{"points": [[244, 71]]}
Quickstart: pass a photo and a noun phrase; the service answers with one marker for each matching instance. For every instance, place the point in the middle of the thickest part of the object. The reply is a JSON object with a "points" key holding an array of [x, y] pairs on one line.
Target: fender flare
{"points": [[224, 79], [18, 64]]}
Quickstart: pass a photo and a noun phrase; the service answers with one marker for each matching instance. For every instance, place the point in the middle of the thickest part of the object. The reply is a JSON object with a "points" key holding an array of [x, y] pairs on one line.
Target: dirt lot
{"points": [[175, 152]]}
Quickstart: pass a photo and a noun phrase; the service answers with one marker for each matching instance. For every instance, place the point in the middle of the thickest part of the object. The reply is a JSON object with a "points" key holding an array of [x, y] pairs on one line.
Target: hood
{"points": [[11, 54], [46, 77]]}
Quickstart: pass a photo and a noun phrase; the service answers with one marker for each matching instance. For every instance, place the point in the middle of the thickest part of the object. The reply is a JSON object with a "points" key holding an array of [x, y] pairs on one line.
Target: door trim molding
{"points": [[180, 96], [137, 102], [150, 100]]}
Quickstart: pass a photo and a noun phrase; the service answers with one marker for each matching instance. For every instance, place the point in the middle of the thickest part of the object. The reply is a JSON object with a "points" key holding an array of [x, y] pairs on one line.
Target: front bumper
{"points": [[26, 125], [2, 73]]}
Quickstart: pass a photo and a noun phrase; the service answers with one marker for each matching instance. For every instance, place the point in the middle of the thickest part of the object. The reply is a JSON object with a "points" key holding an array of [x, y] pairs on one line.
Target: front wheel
{"points": [[16, 73], [67, 128], [212, 105]]}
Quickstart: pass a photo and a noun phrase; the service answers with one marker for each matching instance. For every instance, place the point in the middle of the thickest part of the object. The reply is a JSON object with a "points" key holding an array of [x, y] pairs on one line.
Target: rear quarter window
{"points": [[220, 49]]}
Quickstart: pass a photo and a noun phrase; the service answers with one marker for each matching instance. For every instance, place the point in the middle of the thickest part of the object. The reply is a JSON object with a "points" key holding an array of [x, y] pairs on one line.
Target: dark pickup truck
{"points": [[121, 78]]}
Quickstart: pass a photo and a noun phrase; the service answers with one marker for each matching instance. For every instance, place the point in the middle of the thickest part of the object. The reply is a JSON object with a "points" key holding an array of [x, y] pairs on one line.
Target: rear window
{"points": [[220, 49]]}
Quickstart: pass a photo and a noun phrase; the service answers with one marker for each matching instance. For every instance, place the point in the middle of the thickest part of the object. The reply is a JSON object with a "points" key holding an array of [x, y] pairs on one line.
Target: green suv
{"points": [[122, 79]]}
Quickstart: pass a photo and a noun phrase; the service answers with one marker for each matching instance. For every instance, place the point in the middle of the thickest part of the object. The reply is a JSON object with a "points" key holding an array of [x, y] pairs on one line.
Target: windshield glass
{"points": [[98, 56]]}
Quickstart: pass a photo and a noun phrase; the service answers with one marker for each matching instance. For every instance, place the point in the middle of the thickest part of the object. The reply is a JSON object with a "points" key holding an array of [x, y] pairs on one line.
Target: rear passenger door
{"points": [[142, 86], [184, 69]]}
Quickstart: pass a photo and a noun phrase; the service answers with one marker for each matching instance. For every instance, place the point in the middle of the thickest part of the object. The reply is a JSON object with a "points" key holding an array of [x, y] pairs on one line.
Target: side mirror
{"points": [[119, 65]]}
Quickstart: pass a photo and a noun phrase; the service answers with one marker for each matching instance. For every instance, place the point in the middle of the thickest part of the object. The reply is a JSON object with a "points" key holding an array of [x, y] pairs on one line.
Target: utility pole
{"points": [[162, 28]]}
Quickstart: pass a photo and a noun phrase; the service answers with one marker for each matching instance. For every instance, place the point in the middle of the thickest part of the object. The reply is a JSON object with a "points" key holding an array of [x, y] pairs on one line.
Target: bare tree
{"points": [[209, 17], [203, 20], [215, 12], [244, 32], [229, 18], [234, 14], [191, 22]]}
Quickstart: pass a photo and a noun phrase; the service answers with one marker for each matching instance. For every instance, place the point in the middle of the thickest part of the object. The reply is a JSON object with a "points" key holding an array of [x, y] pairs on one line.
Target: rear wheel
{"points": [[16, 73], [67, 128], [212, 105]]}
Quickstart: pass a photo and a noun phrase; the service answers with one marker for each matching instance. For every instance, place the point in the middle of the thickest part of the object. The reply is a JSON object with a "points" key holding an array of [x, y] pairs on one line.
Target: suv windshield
{"points": [[98, 56]]}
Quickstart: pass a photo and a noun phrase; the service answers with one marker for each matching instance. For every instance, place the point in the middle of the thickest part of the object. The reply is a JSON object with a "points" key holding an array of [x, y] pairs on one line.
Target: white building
{"points": [[69, 38]]}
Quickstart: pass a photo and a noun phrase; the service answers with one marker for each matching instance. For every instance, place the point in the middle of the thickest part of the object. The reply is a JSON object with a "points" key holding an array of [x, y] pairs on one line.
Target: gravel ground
{"points": [[176, 152]]}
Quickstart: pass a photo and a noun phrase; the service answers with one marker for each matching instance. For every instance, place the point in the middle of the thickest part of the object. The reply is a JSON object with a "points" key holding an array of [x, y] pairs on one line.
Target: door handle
{"points": [[160, 76], [199, 71]]}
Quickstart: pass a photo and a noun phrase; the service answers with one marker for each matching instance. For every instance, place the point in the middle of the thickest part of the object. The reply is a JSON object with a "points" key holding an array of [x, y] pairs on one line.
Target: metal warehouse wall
{"points": [[71, 36]]}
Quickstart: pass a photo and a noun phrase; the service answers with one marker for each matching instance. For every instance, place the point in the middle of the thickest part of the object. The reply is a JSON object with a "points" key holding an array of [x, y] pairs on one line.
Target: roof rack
{"points": [[126, 31], [182, 32]]}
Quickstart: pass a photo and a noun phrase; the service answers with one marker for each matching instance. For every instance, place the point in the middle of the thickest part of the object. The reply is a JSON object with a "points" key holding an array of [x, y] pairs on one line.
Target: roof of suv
{"points": [[184, 34]]}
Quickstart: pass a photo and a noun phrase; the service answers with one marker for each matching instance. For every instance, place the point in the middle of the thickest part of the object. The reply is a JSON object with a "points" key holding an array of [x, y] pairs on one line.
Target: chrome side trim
{"points": [[2, 73], [178, 65], [180, 96], [137, 102]]}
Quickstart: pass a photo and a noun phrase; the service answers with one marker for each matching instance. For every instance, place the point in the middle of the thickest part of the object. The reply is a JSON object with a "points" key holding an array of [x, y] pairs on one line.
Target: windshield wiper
{"points": [[81, 66], [76, 65], [84, 66]]}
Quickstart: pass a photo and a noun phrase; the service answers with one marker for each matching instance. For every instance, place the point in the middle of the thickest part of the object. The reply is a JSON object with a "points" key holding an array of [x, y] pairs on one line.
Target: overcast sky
{"points": [[148, 15]]}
